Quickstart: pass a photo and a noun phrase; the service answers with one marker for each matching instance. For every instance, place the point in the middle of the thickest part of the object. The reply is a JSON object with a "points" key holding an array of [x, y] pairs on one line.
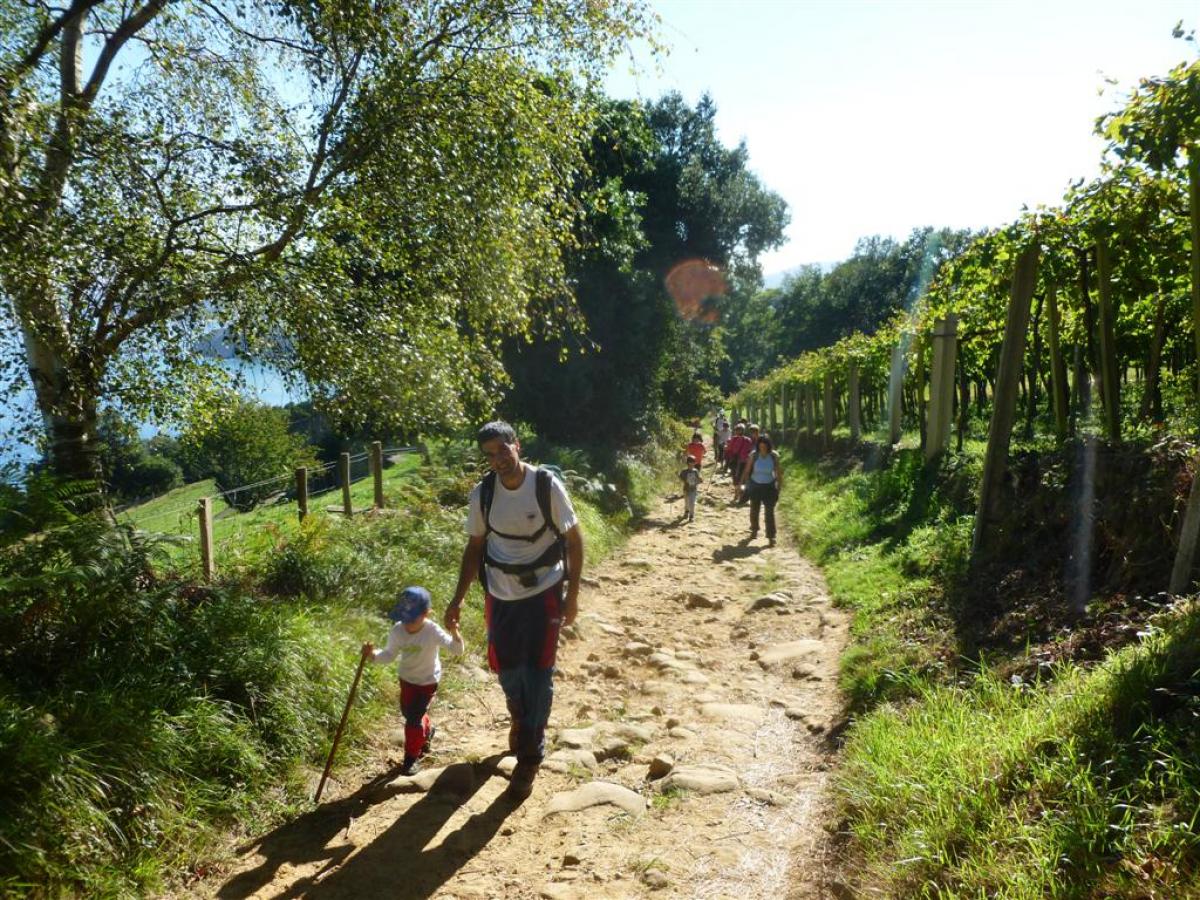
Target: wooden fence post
{"points": [[344, 470], [855, 411], [1058, 366], [896, 392], [941, 391], [810, 410], [302, 491], [1181, 572], [207, 566], [377, 471], [774, 411], [1108, 346], [1004, 407]]}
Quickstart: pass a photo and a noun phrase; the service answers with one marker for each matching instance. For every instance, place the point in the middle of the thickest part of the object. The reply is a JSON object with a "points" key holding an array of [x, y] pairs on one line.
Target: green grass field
{"points": [[238, 536]]}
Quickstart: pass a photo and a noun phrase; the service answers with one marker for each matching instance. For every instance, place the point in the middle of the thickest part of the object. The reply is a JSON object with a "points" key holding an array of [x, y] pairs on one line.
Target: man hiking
{"points": [[525, 544]]}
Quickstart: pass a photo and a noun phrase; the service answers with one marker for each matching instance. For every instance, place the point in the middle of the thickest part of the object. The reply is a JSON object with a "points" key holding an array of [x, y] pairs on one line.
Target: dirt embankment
{"points": [[688, 748]]}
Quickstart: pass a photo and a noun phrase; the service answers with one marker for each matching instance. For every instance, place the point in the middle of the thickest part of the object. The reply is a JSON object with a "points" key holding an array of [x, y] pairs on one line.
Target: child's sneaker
{"points": [[429, 740], [411, 766]]}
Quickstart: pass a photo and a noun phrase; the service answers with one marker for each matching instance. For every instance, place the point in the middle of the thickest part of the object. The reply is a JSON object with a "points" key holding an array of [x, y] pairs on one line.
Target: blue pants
{"points": [[522, 648]]}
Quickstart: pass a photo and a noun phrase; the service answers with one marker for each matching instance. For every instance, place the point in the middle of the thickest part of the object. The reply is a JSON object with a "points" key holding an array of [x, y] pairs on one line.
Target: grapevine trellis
{"points": [[1093, 307]]}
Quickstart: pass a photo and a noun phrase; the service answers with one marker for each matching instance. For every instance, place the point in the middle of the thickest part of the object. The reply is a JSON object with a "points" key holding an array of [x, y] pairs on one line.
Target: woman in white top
{"points": [[762, 477]]}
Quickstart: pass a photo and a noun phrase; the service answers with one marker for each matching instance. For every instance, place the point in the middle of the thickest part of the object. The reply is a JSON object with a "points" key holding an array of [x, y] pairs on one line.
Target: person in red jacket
{"points": [[737, 451], [696, 449]]}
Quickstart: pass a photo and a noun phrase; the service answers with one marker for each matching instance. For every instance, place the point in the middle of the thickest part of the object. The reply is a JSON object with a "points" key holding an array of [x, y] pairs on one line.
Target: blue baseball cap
{"points": [[413, 602]]}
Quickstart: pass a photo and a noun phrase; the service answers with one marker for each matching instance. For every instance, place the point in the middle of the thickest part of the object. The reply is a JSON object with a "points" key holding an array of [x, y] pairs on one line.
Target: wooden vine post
{"points": [[855, 404], [783, 411], [941, 390], [1012, 353], [810, 411], [1058, 366], [919, 392], [302, 492], [827, 409], [377, 471], [207, 564], [1108, 345], [1181, 571], [1193, 167], [895, 393]]}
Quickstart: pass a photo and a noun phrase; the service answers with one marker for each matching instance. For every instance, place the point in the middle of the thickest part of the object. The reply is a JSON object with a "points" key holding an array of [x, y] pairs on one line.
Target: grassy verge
{"points": [[890, 543], [143, 716], [965, 779]]}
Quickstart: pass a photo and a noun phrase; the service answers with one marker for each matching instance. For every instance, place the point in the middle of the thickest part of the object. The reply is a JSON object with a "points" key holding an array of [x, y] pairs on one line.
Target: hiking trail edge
{"points": [[687, 756]]}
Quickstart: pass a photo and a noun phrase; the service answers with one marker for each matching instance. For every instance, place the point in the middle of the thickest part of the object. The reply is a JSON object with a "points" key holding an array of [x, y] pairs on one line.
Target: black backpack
{"points": [[554, 553]]}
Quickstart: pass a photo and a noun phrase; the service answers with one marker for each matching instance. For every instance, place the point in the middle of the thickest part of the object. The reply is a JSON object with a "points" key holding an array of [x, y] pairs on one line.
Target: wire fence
{"points": [[197, 514]]}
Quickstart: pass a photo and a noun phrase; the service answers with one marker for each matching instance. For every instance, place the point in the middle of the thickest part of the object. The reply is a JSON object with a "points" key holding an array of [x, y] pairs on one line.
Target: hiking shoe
{"points": [[520, 785], [411, 766], [429, 740], [770, 542]]}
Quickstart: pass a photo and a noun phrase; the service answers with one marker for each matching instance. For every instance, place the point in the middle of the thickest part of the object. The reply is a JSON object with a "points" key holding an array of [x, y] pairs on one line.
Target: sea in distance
{"points": [[259, 381]]}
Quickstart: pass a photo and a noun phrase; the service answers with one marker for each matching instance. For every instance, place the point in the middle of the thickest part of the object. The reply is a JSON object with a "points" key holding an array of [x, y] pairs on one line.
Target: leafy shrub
{"points": [[133, 709], [243, 444]]}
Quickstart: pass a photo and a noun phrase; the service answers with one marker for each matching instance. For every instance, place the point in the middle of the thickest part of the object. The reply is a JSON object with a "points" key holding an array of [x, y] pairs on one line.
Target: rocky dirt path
{"points": [[688, 748]]}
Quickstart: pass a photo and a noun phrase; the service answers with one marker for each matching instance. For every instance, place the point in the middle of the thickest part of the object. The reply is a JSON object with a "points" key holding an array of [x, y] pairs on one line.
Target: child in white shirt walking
{"points": [[691, 479], [417, 640]]}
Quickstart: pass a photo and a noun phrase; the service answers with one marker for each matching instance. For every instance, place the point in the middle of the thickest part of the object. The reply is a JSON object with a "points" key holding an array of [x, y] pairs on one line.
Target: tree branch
{"points": [[127, 29]]}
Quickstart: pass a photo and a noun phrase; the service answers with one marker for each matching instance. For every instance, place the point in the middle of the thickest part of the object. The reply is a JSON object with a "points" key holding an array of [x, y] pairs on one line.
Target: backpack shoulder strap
{"points": [[542, 489], [487, 490]]}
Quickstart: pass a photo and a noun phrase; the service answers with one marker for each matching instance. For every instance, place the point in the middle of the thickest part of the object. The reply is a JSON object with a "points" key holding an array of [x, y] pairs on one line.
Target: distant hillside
{"points": [[776, 279]]}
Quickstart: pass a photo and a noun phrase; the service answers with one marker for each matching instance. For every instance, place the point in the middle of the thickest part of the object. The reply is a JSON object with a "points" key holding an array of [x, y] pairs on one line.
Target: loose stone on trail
{"points": [[701, 779], [562, 760], [597, 793], [792, 650], [771, 601], [577, 738], [661, 766], [637, 649]]}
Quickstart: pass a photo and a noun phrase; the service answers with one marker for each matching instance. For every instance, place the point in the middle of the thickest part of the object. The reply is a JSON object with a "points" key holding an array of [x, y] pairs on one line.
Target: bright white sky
{"points": [[878, 117]]}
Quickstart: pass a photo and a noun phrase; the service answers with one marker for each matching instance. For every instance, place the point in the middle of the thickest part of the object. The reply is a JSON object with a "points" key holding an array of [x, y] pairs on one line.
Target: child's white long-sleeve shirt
{"points": [[418, 652]]}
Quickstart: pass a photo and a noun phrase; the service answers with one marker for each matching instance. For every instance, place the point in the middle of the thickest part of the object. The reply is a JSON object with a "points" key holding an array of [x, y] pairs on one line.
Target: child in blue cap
{"points": [[417, 640]]}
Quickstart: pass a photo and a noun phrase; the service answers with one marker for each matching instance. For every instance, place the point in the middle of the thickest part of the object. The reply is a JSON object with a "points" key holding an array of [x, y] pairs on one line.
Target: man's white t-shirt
{"points": [[419, 660], [517, 512]]}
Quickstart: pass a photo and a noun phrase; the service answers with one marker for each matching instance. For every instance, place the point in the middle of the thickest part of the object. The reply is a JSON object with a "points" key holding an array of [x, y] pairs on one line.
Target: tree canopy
{"points": [[666, 194], [371, 193]]}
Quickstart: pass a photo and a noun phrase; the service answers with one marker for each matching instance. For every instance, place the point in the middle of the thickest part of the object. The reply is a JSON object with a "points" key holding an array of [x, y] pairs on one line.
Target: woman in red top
{"points": [[696, 449]]}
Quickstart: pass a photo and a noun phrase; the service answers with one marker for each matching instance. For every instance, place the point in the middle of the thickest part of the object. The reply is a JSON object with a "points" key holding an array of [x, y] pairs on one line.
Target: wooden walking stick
{"points": [[362, 658]]}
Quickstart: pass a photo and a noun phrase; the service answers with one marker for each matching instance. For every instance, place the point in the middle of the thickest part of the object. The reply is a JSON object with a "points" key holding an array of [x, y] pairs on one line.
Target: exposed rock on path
{"points": [[686, 753]]}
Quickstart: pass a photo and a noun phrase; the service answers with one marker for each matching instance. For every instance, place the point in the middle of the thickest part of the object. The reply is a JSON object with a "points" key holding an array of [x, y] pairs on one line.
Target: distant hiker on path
{"points": [[696, 448], [691, 479], [416, 639], [763, 478], [721, 439], [524, 542], [738, 451]]}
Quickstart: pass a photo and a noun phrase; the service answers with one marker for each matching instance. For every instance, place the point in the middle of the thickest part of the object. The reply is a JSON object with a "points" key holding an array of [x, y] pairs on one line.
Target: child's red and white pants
{"points": [[414, 704]]}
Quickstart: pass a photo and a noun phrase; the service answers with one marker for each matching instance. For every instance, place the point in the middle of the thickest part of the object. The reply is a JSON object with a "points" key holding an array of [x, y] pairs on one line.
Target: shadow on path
{"points": [[741, 550], [395, 863]]}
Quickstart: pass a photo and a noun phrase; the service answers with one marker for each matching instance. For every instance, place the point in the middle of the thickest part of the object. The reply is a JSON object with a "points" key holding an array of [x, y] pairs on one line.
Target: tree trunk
{"points": [[1058, 368], [67, 404]]}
